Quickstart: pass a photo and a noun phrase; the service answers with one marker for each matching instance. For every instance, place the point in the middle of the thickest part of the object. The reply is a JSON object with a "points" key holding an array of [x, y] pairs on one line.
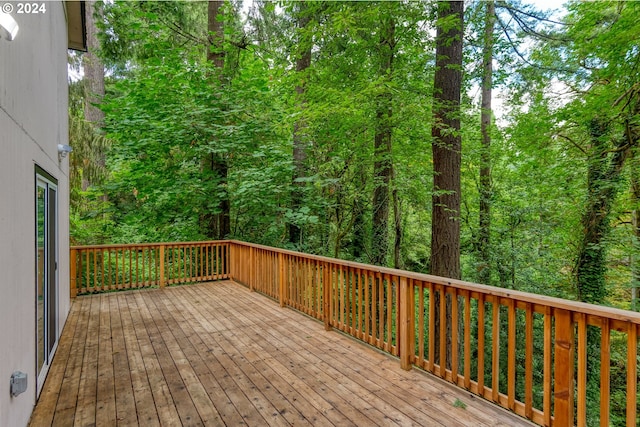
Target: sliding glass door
{"points": [[46, 273]]}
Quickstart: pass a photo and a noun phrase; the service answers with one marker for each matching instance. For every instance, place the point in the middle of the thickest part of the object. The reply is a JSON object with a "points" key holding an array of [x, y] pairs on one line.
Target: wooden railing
{"points": [[116, 267], [525, 352]]}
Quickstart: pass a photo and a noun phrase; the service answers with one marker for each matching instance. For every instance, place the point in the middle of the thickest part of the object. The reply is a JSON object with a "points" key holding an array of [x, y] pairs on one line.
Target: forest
{"points": [[490, 141]]}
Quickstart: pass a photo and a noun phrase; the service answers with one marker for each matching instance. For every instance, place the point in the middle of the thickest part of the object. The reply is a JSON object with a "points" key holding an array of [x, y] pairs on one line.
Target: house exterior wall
{"points": [[33, 121]]}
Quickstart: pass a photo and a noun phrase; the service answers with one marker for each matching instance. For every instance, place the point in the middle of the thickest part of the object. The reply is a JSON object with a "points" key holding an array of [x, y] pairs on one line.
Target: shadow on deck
{"points": [[216, 353]]}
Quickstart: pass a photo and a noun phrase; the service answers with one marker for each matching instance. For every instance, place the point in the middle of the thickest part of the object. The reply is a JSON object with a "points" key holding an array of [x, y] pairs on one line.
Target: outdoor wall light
{"points": [[63, 150], [8, 26]]}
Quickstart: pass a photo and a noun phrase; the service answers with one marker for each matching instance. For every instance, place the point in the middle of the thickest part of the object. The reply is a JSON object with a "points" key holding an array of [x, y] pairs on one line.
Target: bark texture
{"points": [[300, 149], [218, 224], [604, 171], [446, 148], [446, 145], [484, 220], [635, 224], [93, 66], [383, 165]]}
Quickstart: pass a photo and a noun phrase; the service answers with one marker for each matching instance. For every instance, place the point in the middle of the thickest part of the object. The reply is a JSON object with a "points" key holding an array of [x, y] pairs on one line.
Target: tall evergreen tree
{"points": [[218, 224], [446, 148], [447, 144], [300, 138], [383, 164], [484, 226]]}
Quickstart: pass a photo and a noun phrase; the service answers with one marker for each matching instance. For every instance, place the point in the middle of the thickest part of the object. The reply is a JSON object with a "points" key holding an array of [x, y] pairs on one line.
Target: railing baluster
{"points": [[582, 370], [281, 278], [406, 323], [432, 328], [421, 331], [467, 340], [605, 372], [111, 286], [340, 295], [546, 403], [73, 253], [374, 308], [528, 362], [380, 305], [353, 305], [95, 271], [326, 296], [161, 266], [217, 262], [511, 355], [454, 336], [388, 302], [495, 350], [443, 329], [481, 310], [632, 374]]}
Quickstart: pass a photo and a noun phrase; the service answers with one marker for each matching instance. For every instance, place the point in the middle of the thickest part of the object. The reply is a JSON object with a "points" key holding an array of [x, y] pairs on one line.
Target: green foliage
{"points": [[459, 404]]}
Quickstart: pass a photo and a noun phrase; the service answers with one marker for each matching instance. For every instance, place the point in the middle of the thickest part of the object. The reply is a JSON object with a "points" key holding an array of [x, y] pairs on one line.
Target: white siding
{"points": [[33, 121]]}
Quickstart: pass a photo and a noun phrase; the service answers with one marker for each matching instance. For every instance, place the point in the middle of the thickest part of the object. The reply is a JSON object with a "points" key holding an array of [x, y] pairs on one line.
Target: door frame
{"points": [[48, 275]]}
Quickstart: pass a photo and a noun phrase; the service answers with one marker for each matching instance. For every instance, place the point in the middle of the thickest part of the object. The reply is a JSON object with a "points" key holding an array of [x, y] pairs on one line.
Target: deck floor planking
{"points": [[218, 354]]}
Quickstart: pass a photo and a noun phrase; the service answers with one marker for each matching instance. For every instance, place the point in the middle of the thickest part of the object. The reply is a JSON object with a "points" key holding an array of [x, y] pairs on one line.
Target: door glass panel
{"points": [[41, 273], [52, 305]]}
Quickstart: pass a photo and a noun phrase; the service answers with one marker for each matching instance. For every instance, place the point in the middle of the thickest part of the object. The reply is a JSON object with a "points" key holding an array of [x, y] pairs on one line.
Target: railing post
{"points": [[281, 278], [161, 267], [406, 324], [251, 267], [231, 262], [73, 256], [564, 368], [326, 295], [228, 260]]}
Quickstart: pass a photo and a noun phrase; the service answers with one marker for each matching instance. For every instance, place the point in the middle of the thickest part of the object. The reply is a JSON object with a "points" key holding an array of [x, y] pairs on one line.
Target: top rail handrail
{"points": [[138, 245], [553, 302]]}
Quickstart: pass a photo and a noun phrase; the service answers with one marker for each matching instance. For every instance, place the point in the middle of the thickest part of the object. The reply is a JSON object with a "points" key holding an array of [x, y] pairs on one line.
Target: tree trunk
{"points": [[215, 27], [604, 169], [635, 224], [358, 212], [383, 166], [218, 225], [484, 231], [93, 81], [397, 244], [446, 145], [303, 62], [93, 67], [446, 148]]}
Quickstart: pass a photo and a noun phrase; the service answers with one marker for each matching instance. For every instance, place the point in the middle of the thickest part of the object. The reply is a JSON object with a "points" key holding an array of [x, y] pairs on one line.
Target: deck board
{"points": [[218, 354]]}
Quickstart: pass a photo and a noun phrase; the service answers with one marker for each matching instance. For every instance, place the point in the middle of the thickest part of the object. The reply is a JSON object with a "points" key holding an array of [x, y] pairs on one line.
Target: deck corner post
{"points": [[281, 278], [564, 349], [73, 257], [161, 266], [406, 324], [326, 296]]}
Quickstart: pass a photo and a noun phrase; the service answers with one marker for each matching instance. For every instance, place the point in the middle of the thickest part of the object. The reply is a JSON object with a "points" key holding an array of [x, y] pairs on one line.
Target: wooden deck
{"points": [[218, 354]]}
